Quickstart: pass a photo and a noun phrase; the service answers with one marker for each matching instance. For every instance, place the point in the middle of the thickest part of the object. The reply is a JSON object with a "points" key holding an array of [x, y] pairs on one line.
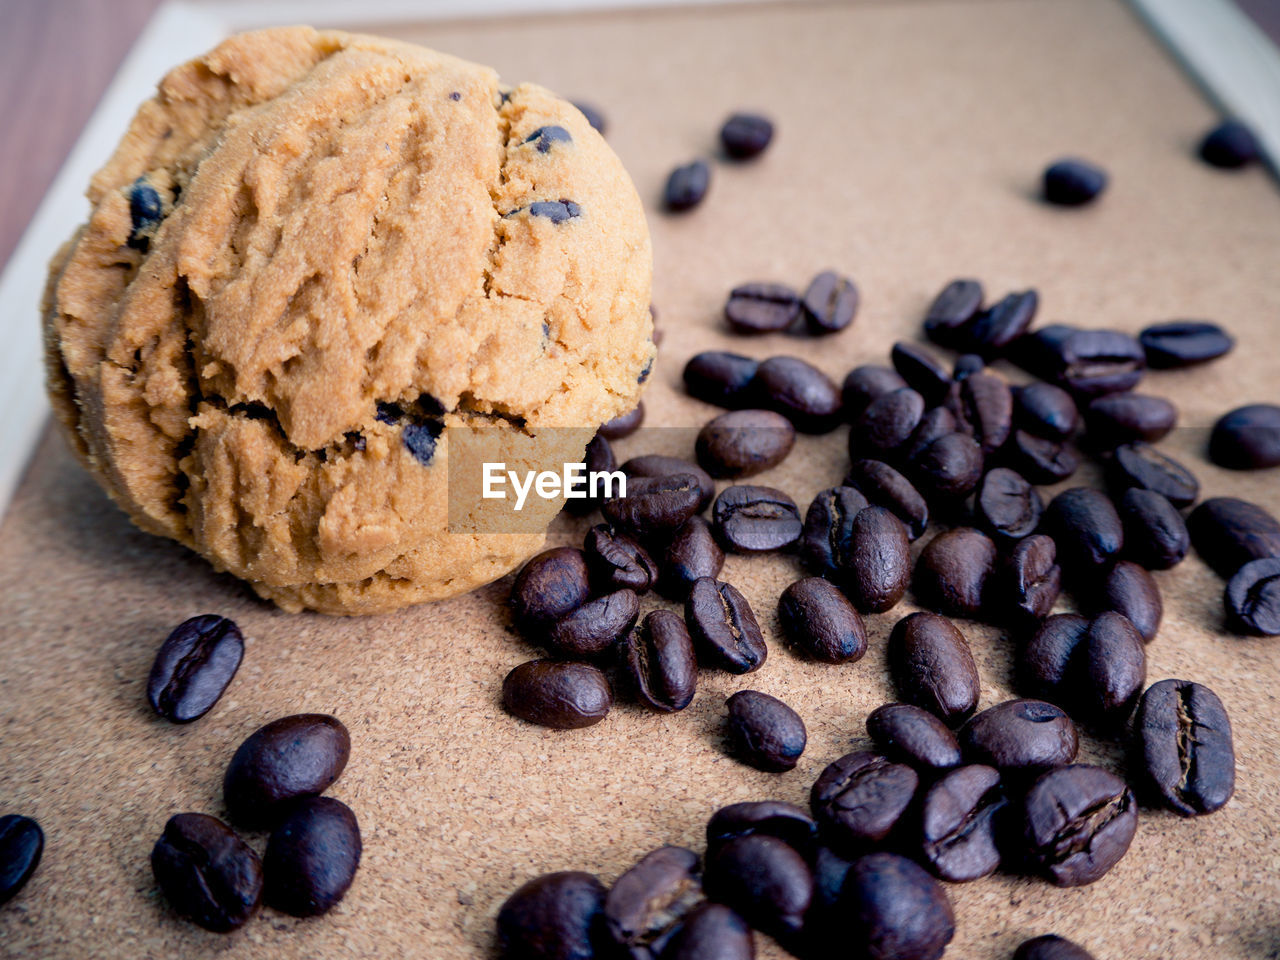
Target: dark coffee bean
{"points": [[949, 468], [952, 308], [1143, 466], [687, 186], [1027, 585], [21, 844], [1007, 506], [1115, 668], [207, 873], [983, 408], [554, 583], [617, 562], [593, 115], [311, 857], [742, 443], [879, 561], [1228, 533], [923, 372], [563, 696], [935, 423], [966, 365], [771, 818], [656, 465], [1229, 145], [825, 541], [829, 873], [864, 384], [193, 667], [722, 378], [556, 916], [648, 902], [724, 627], [762, 308], [1044, 410], [914, 736], [661, 663], [598, 458], [655, 506], [745, 135], [692, 554], [859, 799], [624, 424], [1040, 460], [557, 211], [1183, 744], [1048, 662], [991, 332], [800, 392], [1020, 736], [594, 627], [960, 818], [297, 756], [1252, 598], [1247, 438], [885, 423], [751, 519], [1181, 343], [830, 303], [891, 905], [1127, 588], [1086, 528], [933, 667], [711, 932], [1128, 417], [820, 620], [1078, 821], [1155, 535], [1072, 182], [952, 572], [886, 487], [763, 878], [1088, 363], [1051, 947], [764, 732]]}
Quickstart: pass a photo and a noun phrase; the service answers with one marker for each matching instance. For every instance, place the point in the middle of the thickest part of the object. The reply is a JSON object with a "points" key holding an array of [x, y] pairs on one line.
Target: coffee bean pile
{"points": [[743, 136]]}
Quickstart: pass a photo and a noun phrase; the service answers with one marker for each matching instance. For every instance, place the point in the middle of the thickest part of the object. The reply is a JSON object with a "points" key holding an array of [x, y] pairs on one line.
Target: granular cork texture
{"points": [[910, 141]]}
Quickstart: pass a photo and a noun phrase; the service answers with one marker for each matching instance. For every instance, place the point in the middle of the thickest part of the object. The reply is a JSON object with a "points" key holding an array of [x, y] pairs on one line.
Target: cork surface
{"points": [[910, 139]]}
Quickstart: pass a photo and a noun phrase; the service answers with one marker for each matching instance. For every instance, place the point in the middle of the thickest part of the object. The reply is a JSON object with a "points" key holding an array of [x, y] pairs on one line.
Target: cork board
{"points": [[910, 139]]}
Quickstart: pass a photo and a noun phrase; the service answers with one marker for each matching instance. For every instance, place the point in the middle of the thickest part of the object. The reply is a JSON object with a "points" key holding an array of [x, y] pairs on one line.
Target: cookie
{"points": [[312, 254]]}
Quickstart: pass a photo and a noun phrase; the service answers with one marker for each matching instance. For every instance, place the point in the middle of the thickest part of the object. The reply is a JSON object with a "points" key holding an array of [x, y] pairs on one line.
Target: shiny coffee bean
{"points": [[624, 424], [884, 486], [563, 696], [1252, 598], [1040, 460], [983, 408], [593, 628], [1088, 363], [1077, 822], [1229, 145], [1044, 410], [723, 627], [1115, 668], [761, 308], [1182, 343], [692, 554], [193, 667], [1086, 528], [293, 757], [1020, 736], [720, 377], [762, 878], [742, 443], [21, 844], [818, 619], [1027, 584], [554, 583], [660, 661], [771, 818], [617, 562], [966, 365], [991, 332], [954, 306], [1182, 741], [311, 857], [687, 186], [1048, 662], [1247, 438], [648, 902], [1143, 466], [894, 907], [1127, 588], [598, 458], [914, 736], [657, 465], [864, 384], [711, 932], [746, 135], [1051, 947], [800, 392], [764, 732], [953, 570], [924, 372], [1072, 182], [753, 519], [961, 817], [1007, 506], [933, 667], [879, 561], [1128, 418], [885, 424], [1155, 535], [655, 506], [859, 799], [1228, 533], [207, 873], [949, 468], [830, 303], [825, 540], [935, 424], [556, 916]]}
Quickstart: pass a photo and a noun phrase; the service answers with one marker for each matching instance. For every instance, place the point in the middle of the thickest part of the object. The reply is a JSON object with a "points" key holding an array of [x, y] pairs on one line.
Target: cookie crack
{"points": [[498, 240]]}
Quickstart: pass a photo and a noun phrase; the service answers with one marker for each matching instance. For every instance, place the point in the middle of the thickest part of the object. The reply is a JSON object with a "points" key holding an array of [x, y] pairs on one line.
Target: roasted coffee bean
{"points": [[594, 627], [1020, 736], [1252, 598], [891, 905], [655, 506], [886, 487], [763, 878], [723, 626], [1127, 588], [1007, 506], [829, 872], [800, 392], [1072, 182], [554, 583], [687, 186], [745, 135], [825, 541], [1048, 663], [821, 621], [933, 667], [1088, 363], [936, 423], [556, 916], [859, 799], [1155, 535], [885, 423], [649, 902], [1029, 581], [1128, 417], [598, 458], [207, 873], [864, 384], [751, 519], [1228, 533], [966, 365], [742, 443], [957, 303], [1247, 438], [656, 465], [960, 819], [1077, 822], [1051, 947], [771, 818], [830, 303], [1041, 460], [311, 857], [289, 758], [914, 736], [594, 116], [1182, 739], [693, 553], [1143, 466], [1115, 668], [660, 660], [1182, 343], [762, 308], [923, 372], [563, 696], [21, 844], [991, 332], [193, 667], [711, 932], [1229, 145], [617, 562], [1044, 410], [952, 572], [1086, 528], [764, 732], [879, 561], [624, 424], [949, 468], [720, 377], [983, 408]]}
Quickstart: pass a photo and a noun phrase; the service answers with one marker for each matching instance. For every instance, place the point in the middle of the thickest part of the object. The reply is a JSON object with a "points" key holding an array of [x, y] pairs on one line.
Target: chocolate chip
{"points": [[546, 136], [557, 211], [146, 210], [420, 439]]}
